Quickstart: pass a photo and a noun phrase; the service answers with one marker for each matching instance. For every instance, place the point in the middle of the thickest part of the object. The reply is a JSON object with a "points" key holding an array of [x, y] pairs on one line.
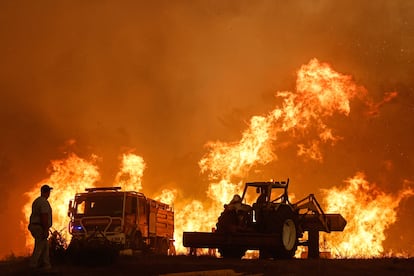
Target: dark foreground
{"points": [[191, 265]]}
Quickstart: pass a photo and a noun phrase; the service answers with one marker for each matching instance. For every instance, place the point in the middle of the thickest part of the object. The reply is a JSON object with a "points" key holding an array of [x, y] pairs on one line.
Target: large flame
{"points": [[320, 93], [67, 177], [130, 175], [368, 211]]}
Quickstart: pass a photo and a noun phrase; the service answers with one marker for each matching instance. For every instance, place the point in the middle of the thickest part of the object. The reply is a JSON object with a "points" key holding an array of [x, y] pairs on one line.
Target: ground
{"points": [[193, 265]]}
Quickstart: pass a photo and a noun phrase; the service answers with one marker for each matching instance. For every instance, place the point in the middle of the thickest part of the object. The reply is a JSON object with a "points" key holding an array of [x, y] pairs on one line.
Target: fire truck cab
{"points": [[121, 219]]}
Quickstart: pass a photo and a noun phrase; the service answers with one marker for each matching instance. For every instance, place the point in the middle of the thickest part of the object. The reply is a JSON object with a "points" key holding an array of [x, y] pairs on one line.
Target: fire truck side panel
{"points": [[161, 219]]}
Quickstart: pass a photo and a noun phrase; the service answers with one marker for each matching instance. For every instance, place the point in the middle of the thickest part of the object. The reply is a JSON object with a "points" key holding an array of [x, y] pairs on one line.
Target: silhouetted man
{"points": [[40, 222]]}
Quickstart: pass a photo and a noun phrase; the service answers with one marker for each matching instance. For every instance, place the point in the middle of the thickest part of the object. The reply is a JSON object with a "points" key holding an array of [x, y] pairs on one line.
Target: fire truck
{"points": [[108, 217]]}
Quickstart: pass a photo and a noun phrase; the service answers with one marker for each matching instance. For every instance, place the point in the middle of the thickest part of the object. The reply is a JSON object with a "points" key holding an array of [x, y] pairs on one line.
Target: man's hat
{"points": [[45, 188]]}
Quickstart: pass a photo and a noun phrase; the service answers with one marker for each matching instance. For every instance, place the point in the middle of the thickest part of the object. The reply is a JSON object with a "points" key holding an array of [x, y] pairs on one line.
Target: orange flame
{"points": [[67, 177], [368, 211], [374, 107], [130, 176], [167, 196], [320, 93]]}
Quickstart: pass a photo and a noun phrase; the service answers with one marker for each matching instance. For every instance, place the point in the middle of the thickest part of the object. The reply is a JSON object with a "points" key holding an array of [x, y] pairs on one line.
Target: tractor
{"points": [[264, 219]]}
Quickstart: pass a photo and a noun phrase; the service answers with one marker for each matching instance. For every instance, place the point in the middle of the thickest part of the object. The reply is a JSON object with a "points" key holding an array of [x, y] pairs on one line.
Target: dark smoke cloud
{"points": [[164, 77]]}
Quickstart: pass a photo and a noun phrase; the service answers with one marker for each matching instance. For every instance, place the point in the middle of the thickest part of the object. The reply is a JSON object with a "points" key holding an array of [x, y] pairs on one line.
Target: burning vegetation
{"points": [[302, 115]]}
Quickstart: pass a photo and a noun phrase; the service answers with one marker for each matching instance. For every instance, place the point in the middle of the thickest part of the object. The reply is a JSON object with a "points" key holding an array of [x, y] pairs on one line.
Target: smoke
{"points": [[166, 77]]}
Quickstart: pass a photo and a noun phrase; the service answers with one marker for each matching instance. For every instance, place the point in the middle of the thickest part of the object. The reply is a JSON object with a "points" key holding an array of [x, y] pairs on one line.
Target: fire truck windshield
{"points": [[99, 205]]}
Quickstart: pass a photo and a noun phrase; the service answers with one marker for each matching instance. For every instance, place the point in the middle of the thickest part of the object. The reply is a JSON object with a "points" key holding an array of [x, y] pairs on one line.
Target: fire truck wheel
{"points": [[137, 242], [163, 247], [73, 248], [232, 253]]}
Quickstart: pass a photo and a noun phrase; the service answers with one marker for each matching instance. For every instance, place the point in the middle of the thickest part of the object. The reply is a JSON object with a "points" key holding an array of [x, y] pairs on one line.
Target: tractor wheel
{"points": [[232, 253], [227, 222], [289, 239], [283, 222]]}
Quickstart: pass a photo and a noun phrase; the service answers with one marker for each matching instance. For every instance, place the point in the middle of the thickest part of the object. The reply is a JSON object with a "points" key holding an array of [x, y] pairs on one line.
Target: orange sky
{"points": [[167, 77]]}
